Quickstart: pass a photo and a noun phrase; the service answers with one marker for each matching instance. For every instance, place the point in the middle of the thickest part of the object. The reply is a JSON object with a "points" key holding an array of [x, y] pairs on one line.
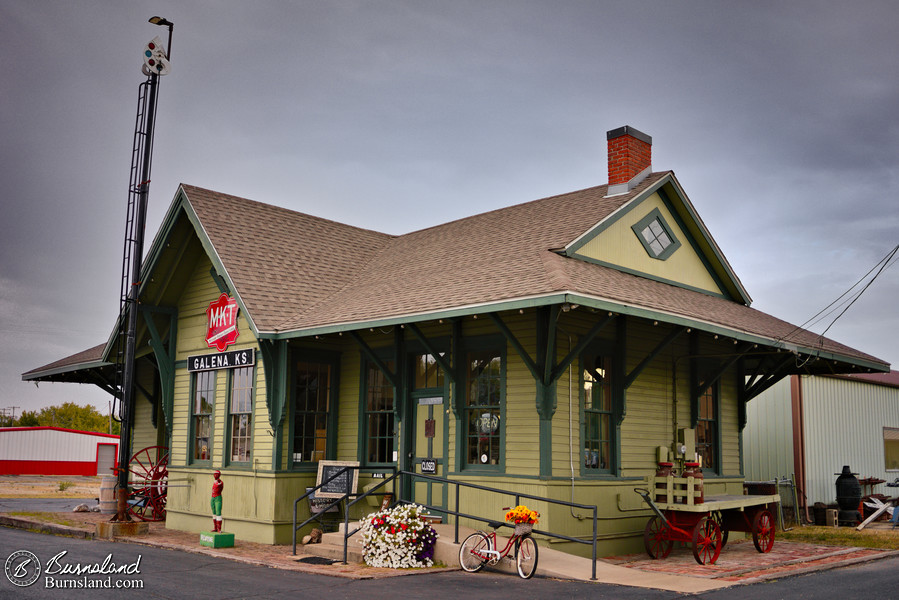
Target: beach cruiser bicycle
{"points": [[481, 548]]}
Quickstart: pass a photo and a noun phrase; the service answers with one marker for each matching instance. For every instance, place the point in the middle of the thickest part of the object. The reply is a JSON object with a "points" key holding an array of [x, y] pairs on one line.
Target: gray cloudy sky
{"points": [[779, 119]]}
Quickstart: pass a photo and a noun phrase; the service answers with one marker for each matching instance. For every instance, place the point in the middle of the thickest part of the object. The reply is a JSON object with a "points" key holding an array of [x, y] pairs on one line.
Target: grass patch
{"points": [[45, 517], [64, 485], [884, 539]]}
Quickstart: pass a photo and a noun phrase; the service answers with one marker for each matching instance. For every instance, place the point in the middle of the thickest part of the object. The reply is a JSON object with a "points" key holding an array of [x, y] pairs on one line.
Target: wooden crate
{"points": [[677, 490]]}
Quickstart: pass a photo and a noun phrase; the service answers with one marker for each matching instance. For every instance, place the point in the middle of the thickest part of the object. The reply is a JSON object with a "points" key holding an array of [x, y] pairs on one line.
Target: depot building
{"points": [[558, 348]]}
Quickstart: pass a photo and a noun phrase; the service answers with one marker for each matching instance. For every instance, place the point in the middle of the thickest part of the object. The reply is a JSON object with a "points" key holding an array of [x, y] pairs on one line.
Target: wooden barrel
{"points": [[107, 495]]}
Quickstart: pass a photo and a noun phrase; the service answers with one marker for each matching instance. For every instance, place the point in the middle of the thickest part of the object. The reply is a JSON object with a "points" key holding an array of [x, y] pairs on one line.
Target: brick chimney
{"points": [[630, 159]]}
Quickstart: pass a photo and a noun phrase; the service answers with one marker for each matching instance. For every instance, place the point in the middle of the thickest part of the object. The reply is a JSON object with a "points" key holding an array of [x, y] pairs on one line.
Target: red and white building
{"points": [[56, 451]]}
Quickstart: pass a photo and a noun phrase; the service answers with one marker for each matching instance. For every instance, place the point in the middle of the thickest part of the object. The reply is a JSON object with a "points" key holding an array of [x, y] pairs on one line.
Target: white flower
{"points": [[396, 538]]}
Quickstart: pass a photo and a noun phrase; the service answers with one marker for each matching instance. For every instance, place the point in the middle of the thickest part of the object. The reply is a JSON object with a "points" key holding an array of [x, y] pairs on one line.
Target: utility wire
{"points": [[887, 261]]}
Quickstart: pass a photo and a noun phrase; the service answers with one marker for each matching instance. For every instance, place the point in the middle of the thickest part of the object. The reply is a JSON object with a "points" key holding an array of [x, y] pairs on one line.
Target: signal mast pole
{"points": [[156, 64]]}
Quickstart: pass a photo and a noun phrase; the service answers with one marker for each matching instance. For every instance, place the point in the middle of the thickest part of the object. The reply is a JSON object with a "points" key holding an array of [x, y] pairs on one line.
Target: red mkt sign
{"points": [[221, 323]]}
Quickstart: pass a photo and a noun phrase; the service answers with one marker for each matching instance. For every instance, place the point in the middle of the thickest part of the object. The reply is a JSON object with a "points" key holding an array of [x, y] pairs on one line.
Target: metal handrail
{"points": [[336, 501], [460, 484]]}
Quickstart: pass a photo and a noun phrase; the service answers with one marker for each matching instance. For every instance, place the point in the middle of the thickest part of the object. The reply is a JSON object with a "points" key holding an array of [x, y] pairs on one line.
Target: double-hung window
{"points": [[707, 430], [312, 407], [203, 406], [597, 419], [379, 420], [241, 413]]}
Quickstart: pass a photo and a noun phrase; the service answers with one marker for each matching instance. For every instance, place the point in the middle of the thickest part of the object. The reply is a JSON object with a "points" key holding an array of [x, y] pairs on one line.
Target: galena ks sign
{"points": [[221, 323]]}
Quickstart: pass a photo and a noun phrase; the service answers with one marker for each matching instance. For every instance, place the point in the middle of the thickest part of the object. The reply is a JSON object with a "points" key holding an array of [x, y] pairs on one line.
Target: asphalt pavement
{"points": [[166, 573]]}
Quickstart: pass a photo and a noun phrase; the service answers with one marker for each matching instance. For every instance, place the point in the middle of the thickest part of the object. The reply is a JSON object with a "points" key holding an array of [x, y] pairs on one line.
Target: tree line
{"points": [[67, 415]]}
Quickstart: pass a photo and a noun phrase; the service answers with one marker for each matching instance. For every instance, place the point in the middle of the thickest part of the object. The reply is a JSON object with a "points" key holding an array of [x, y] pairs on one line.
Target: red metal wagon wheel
{"points": [[719, 518], [763, 531], [656, 538], [706, 541], [149, 478]]}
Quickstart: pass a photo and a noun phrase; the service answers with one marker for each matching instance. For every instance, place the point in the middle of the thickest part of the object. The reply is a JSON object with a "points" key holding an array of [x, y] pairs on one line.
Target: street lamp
{"points": [[163, 22]]}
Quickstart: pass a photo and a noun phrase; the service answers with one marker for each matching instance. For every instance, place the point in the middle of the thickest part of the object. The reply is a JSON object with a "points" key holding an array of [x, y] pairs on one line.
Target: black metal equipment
{"points": [[849, 496], [155, 65]]}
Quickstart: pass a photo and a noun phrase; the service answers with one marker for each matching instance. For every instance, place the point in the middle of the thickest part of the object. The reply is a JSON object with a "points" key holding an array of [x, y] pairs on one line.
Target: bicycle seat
{"points": [[494, 524]]}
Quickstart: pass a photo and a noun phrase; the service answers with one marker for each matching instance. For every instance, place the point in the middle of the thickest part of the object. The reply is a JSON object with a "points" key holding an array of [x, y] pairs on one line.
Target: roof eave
{"points": [[580, 299], [87, 365], [722, 330]]}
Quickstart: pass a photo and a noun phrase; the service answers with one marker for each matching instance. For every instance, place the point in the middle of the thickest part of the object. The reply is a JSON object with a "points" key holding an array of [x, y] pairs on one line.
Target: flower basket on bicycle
{"points": [[523, 528], [523, 518]]}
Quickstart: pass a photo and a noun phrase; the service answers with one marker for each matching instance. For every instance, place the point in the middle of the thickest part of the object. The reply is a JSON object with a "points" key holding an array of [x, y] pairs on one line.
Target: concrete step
{"points": [[331, 546]]}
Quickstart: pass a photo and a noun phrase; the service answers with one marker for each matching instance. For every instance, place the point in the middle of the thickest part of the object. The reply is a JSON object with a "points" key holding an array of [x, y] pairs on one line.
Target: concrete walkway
{"points": [[561, 565]]}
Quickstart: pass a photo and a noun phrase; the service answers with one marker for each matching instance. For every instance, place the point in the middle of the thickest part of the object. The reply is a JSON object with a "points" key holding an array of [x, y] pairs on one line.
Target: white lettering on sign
{"points": [[226, 360], [222, 315]]}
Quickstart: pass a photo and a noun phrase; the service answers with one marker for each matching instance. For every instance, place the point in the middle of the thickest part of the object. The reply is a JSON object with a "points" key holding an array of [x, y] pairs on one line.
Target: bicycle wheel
{"points": [[471, 556], [526, 557]]}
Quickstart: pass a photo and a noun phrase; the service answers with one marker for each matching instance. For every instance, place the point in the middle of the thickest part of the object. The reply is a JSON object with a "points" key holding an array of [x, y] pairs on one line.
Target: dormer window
{"points": [[656, 236]]}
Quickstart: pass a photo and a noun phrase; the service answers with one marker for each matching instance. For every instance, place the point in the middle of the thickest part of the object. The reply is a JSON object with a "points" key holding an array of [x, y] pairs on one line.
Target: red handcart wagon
{"points": [[706, 524]]}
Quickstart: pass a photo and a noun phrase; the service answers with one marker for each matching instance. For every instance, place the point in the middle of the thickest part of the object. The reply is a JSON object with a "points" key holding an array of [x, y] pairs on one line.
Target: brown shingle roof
{"points": [[91, 355], [491, 257], [278, 259], [295, 272]]}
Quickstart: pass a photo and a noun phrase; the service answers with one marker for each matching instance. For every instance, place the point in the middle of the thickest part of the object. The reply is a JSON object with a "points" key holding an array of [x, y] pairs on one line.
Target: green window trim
{"points": [[202, 417], [656, 235], [241, 402], [708, 430], [601, 409]]}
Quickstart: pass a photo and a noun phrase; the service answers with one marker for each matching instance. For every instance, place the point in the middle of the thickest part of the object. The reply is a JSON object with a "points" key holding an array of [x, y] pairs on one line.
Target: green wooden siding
{"points": [[652, 416]]}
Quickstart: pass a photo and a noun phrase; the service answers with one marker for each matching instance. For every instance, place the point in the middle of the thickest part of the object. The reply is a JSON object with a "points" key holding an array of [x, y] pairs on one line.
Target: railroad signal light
{"points": [[155, 60]]}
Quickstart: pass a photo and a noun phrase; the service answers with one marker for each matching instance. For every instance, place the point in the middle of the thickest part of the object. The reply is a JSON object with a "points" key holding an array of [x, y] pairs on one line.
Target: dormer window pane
{"points": [[655, 236]]}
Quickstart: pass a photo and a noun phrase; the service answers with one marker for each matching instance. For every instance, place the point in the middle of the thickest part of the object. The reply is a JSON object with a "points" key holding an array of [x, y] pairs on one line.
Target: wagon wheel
{"points": [[655, 538], [719, 518], [706, 541], [149, 477], [763, 531]]}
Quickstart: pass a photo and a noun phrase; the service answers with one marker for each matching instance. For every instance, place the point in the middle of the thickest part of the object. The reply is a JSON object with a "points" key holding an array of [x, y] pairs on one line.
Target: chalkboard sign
{"points": [[345, 483]]}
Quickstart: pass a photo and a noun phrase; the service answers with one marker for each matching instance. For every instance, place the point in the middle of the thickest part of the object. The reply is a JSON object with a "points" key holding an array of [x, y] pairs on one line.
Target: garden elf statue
{"points": [[216, 502]]}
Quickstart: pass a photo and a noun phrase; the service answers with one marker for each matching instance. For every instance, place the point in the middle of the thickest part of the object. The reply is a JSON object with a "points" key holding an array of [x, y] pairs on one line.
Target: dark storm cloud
{"points": [[779, 118]]}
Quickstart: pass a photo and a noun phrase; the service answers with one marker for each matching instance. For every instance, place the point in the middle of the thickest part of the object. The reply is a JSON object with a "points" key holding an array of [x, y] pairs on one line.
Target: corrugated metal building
{"points": [[811, 426], [56, 451]]}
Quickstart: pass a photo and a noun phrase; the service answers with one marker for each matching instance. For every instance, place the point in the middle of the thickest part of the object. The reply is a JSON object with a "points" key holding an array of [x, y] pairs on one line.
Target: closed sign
{"points": [[428, 465]]}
